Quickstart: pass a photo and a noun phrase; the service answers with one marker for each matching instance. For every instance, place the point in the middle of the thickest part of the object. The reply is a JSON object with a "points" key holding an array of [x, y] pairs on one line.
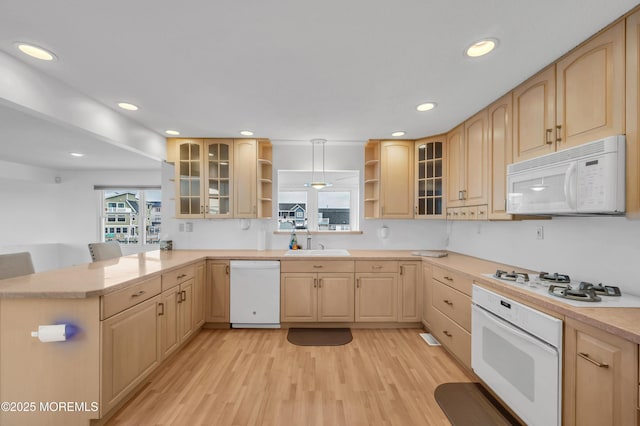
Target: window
{"points": [[334, 208], [131, 204]]}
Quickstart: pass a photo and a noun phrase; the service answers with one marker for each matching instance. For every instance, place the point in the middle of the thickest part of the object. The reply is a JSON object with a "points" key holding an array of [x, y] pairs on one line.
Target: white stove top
{"points": [[540, 287]]}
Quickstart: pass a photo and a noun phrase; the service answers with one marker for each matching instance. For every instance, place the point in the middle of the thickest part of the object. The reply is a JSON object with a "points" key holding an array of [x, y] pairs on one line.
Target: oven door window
{"points": [[522, 370]]}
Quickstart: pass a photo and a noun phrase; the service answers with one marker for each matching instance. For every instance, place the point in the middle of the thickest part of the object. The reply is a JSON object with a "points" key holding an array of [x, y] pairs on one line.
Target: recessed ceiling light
{"points": [[482, 47], [76, 154], [400, 133], [246, 133], [36, 52], [172, 132], [427, 106], [127, 106]]}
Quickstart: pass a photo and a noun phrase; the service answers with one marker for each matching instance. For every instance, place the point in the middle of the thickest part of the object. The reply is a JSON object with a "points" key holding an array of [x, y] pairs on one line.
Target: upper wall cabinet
{"points": [[590, 90], [429, 177], [579, 99], [389, 179], [633, 115], [500, 149], [218, 178], [467, 178], [534, 113]]}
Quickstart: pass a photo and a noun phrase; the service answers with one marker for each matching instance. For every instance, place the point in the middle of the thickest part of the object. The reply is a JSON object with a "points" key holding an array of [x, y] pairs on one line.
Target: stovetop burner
{"points": [[584, 293], [555, 277], [512, 276]]}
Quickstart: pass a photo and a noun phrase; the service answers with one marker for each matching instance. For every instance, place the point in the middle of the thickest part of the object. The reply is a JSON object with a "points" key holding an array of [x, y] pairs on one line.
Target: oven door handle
{"points": [[511, 329]]}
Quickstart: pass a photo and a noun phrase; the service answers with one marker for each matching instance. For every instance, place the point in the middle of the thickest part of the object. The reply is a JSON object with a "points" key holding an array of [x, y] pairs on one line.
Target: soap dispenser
{"points": [[293, 243]]}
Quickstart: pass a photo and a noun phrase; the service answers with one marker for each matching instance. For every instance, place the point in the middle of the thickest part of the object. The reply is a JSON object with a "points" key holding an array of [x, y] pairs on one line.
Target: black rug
{"points": [[470, 404], [319, 336]]}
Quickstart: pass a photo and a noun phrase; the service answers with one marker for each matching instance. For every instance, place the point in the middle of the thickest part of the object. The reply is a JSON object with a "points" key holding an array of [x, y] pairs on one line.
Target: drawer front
{"points": [[377, 266], [120, 300], [453, 279], [482, 213], [177, 276], [316, 266], [453, 304], [456, 339]]}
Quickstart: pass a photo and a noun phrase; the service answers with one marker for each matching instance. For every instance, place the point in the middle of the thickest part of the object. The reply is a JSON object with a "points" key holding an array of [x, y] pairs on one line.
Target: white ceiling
{"points": [[296, 69]]}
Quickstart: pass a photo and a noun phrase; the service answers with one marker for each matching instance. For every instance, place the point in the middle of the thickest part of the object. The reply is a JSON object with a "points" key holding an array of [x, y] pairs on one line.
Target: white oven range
{"points": [[517, 352]]}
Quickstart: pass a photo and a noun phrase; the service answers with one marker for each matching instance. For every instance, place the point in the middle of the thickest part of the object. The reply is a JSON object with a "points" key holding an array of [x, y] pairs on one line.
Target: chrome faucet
{"points": [[321, 246]]}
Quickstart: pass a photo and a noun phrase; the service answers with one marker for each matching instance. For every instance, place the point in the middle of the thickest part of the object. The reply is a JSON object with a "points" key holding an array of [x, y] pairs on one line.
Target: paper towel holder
{"points": [[54, 332]]}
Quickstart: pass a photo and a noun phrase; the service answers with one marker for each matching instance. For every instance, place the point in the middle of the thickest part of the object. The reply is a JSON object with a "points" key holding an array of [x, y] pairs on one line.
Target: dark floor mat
{"points": [[469, 404], [319, 336]]}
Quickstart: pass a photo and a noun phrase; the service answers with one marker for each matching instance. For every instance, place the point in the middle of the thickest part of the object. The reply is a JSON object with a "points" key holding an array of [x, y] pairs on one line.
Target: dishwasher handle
{"points": [[255, 264]]}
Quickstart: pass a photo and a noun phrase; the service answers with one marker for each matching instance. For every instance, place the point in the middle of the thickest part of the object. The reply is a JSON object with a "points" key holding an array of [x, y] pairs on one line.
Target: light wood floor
{"points": [[256, 377]]}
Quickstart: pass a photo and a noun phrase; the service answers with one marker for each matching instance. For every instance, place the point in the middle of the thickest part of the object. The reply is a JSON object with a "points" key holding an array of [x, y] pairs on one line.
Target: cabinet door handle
{"points": [[162, 311], [592, 361], [138, 294], [315, 283], [401, 270], [320, 283], [558, 134], [448, 302], [446, 333], [183, 296], [179, 297], [464, 194], [548, 137], [358, 283], [227, 270], [415, 210], [201, 209], [459, 195]]}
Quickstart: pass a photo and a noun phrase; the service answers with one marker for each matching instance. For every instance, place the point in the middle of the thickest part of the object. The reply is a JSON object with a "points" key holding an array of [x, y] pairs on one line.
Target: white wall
{"points": [[593, 249], [226, 233], [56, 221]]}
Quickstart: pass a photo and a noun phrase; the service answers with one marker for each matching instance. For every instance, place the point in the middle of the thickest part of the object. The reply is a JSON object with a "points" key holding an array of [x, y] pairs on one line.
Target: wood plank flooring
{"points": [[256, 377]]}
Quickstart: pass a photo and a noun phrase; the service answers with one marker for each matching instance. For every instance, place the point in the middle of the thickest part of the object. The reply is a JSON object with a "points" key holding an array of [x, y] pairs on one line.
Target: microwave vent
{"points": [[580, 151]]}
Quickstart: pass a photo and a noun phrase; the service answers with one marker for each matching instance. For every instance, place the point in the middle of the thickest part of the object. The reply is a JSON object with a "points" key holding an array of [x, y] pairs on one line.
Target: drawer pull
{"points": [[448, 302], [317, 266], [376, 266], [182, 276], [448, 278], [446, 333], [162, 311], [592, 361], [138, 294]]}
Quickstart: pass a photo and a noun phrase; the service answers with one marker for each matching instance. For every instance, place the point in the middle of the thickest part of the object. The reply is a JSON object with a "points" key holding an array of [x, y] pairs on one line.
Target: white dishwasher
{"points": [[255, 294]]}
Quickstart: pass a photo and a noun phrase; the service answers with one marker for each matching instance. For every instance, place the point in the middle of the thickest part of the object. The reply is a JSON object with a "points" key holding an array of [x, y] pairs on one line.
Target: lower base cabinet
{"points": [[130, 350], [316, 297], [600, 377], [376, 297], [216, 293]]}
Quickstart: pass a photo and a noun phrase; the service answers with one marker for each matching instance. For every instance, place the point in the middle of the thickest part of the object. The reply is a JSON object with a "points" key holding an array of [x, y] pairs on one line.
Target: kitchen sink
{"points": [[326, 252]]}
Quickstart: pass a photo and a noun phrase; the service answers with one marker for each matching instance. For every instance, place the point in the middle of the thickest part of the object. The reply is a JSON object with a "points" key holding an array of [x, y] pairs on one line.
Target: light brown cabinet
{"points": [[122, 367], [468, 171], [376, 291], [633, 115], [409, 292], [600, 377], [217, 292], [221, 178], [316, 291], [451, 312], [590, 89], [199, 294], [389, 179], [427, 285], [178, 319], [501, 155], [429, 178]]}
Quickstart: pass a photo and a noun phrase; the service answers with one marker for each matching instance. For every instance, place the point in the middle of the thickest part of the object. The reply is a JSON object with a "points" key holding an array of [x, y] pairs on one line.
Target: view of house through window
{"points": [[131, 216], [334, 208]]}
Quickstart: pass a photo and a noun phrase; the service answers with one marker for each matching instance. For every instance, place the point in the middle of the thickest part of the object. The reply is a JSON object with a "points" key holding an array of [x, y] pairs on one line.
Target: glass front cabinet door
{"points": [[429, 200]]}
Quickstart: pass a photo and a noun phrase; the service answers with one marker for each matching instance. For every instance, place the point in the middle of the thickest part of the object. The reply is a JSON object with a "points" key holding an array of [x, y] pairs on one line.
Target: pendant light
{"points": [[317, 183]]}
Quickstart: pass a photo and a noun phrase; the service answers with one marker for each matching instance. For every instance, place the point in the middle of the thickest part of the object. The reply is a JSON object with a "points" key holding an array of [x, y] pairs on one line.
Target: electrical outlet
{"points": [[540, 233]]}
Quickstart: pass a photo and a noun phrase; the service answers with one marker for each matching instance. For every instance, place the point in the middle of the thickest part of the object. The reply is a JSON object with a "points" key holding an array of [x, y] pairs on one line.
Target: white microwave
{"points": [[586, 179]]}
